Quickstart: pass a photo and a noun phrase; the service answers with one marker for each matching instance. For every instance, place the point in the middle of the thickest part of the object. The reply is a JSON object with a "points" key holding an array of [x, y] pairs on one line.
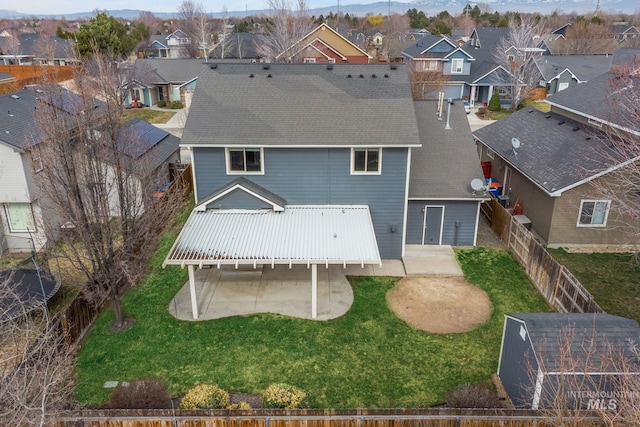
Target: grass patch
{"points": [[152, 116], [612, 278], [539, 105], [366, 358]]}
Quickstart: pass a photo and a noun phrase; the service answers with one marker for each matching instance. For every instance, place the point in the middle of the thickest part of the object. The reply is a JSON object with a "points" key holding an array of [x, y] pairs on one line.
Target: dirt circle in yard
{"points": [[441, 305]]}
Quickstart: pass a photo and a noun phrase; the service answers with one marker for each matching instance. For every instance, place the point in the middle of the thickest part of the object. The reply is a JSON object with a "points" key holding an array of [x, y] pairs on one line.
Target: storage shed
{"points": [[572, 359]]}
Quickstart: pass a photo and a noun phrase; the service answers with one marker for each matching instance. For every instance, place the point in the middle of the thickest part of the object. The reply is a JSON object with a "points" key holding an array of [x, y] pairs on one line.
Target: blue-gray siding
{"points": [[321, 176], [459, 221]]}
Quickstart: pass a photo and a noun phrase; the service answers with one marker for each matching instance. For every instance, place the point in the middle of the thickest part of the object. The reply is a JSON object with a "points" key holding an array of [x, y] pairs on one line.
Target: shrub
{"points": [[284, 396], [162, 104], [494, 103], [205, 396], [176, 105], [240, 405], [144, 393], [473, 396]]}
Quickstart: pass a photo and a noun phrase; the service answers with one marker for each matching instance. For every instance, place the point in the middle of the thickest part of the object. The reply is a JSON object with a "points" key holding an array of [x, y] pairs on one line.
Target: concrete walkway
{"points": [[476, 122], [175, 124], [287, 291]]}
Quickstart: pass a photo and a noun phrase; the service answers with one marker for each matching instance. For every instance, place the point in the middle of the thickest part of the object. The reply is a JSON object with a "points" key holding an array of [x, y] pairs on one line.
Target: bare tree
{"points": [[94, 183], [516, 53], [10, 45], [584, 37], [36, 365], [621, 133], [394, 41], [425, 84], [579, 374], [203, 30], [223, 46], [286, 27], [188, 13]]}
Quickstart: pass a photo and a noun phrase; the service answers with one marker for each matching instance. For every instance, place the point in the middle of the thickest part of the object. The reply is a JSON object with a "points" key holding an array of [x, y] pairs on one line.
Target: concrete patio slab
{"points": [[425, 260]]}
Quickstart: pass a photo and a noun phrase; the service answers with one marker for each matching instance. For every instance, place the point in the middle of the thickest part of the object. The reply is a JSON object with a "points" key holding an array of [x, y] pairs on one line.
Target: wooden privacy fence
{"points": [[560, 288], [439, 417]]}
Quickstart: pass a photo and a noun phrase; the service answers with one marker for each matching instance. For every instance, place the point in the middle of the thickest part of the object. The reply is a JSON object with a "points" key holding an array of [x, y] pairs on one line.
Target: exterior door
{"points": [[433, 222]]}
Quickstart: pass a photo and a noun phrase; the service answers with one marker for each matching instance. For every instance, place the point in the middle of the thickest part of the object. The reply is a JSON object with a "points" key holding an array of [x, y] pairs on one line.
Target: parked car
{"points": [[467, 106]]}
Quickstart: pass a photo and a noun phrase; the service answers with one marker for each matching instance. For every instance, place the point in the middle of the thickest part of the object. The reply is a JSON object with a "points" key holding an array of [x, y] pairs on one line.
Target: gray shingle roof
{"points": [[552, 155], [29, 46], [584, 67], [169, 70], [249, 185], [420, 45], [549, 331], [16, 124], [6, 76], [447, 161], [302, 105]]}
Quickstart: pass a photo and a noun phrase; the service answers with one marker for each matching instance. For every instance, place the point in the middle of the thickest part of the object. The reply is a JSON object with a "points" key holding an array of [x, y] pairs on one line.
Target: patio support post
{"points": [[192, 291], [472, 96], [314, 291]]}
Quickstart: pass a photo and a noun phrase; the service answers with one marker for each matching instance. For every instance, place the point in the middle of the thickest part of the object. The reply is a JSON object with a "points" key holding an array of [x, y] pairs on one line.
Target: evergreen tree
{"points": [[494, 103]]}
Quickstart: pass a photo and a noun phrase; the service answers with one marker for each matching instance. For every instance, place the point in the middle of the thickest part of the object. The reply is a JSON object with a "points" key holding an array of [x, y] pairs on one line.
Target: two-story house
{"points": [[324, 45], [448, 65], [314, 165], [171, 46]]}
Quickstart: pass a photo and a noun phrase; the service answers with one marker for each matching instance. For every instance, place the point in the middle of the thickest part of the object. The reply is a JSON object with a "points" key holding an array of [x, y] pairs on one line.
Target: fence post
{"points": [[555, 290]]}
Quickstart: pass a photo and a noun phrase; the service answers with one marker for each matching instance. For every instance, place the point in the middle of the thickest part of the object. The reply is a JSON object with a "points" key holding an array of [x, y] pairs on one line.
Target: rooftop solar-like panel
{"points": [[139, 137]]}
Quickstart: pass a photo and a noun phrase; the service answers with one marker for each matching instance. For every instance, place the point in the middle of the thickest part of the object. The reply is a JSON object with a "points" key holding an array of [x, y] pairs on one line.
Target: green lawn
{"points": [[366, 358], [151, 116], [613, 279]]}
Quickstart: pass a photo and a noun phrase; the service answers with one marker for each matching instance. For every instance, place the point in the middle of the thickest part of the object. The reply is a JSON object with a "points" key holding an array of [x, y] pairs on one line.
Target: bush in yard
{"points": [[241, 405], [494, 103], [162, 104], [144, 393], [176, 105], [205, 396], [473, 396], [284, 396]]}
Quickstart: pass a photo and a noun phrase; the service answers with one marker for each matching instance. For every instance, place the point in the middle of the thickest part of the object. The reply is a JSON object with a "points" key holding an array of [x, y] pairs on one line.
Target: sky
{"points": [[62, 7]]}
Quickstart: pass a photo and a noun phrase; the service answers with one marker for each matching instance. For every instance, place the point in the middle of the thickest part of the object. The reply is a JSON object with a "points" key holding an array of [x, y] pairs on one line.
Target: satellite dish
{"points": [[515, 142], [476, 184]]}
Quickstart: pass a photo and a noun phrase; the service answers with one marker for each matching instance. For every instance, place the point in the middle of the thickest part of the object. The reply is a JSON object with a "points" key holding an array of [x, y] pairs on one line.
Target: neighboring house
{"points": [[437, 54], [171, 46], [550, 169], [315, 165], [22, 210], [35, 49], [166, 80], [241, 46], [559, 72], [543, 357], [623, 32], [325, 45]]}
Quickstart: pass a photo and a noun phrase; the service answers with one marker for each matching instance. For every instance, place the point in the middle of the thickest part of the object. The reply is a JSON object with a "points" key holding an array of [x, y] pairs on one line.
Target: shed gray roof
{"points": [[447, 161], [554, 156], [5, 76], [549, 331], [302, 105], [248, 185]]}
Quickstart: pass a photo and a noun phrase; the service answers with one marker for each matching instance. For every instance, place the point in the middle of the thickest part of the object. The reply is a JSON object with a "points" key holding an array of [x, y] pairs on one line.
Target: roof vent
{"points": [[588, 138], [362, 76], [547, 116], [330, 67], [373, 76], [213, 66], [561, 122], [530, 110], [9, 112], [15, 97], [269, 76], [386, 76], [250, 76], [348, 76], [265, 66], [576, 128], [393, 66]]}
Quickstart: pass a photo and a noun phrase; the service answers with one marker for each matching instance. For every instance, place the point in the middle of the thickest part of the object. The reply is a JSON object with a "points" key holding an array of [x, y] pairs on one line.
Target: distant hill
{"points": [[430, 7]]}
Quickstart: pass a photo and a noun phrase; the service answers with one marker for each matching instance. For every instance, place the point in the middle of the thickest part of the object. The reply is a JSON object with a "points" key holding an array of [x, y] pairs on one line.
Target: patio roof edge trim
{"points": [[228, 261]]}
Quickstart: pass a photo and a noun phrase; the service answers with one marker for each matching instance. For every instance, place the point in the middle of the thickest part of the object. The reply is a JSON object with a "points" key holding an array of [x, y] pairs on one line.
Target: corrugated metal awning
{"points": [[299, 235]]}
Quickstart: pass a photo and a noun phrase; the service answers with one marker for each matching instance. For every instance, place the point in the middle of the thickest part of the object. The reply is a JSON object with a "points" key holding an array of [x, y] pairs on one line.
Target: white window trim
{"points": [[606, 213], [355, 172], [457, 61], [309, 60], [26, 230], [490, 153], [562, 86], [245, 172]]}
